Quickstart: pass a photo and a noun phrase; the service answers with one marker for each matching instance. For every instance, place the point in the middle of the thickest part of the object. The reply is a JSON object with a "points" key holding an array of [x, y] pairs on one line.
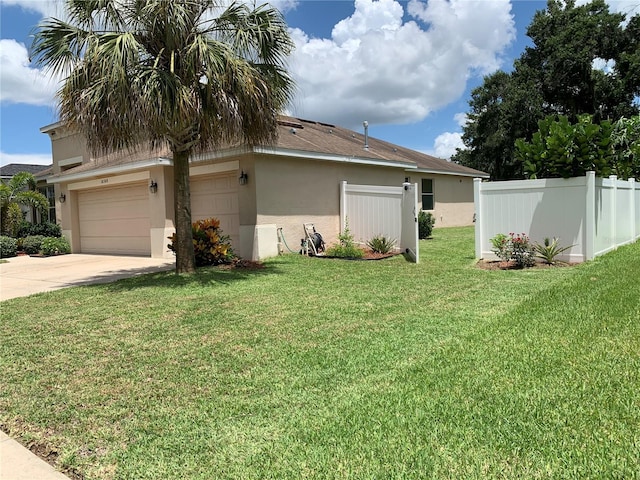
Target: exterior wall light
{"points": [[153, 186], [243, 178], [62, 198]]}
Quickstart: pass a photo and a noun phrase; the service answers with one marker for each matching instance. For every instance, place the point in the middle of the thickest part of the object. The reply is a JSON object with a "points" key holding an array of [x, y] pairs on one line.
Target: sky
{"points": [[405, 67]]}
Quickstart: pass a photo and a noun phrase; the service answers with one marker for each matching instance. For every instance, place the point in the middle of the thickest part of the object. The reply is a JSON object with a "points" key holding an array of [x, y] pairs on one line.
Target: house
{"points": [[40, 172], [123, 204]]}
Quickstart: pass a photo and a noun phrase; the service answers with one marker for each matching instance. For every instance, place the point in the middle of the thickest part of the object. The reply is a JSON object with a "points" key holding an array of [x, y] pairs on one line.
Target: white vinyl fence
{"points": [[595, 215], [372, 210]]}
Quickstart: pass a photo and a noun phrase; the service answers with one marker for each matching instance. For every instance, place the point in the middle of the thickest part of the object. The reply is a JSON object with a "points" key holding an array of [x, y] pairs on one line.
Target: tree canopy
{"points": [[19, 191], [188, 74], [584, 60]]}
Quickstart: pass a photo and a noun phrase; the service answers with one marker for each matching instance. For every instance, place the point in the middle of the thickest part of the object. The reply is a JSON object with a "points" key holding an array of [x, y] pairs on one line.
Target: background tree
{"points": [[558, 75], [181, 73], [19, 191]]}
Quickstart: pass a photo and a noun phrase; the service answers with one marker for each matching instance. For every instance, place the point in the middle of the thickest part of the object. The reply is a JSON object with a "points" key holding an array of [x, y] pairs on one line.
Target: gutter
{"points": [[447, 172], [111, 170]]}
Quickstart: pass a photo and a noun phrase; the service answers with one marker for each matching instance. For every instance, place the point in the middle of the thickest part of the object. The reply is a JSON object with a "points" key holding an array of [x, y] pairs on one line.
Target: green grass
{"points": [[321, 368]]}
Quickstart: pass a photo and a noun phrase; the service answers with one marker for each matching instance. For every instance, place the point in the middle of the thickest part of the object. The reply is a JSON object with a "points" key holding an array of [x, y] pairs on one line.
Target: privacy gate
{"points": [[372, 210]]}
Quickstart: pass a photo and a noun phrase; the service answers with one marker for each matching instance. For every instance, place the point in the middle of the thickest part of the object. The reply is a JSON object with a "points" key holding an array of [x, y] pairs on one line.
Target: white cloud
{"points": [[20, 82], [446, 143], [461, 118], [25, 158]]}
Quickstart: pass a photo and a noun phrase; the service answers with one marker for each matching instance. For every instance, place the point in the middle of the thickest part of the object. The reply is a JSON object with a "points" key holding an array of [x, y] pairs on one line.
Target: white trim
{"points": [[110, 181], [284, 152], [214, 168], [442, 172], [112, 170], [70, 161], [217, 154]]}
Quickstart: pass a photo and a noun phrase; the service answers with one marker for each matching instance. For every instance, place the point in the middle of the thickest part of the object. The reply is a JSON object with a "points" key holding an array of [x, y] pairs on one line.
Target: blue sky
{"points": [[406, 67]]}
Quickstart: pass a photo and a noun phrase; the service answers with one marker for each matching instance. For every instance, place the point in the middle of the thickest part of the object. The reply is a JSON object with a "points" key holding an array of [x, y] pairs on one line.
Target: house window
{"points": [[49, 192], [428, 201]]}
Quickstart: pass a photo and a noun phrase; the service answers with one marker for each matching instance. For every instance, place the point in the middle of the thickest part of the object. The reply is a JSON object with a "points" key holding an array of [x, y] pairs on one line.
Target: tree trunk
{"points": [[185, 259]]}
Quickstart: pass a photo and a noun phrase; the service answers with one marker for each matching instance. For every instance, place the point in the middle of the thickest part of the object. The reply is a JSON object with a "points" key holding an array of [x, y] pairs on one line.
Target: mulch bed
{"points": [[500, 265]]}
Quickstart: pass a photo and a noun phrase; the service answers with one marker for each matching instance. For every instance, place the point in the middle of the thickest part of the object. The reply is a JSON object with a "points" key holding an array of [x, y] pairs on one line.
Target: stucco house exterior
{"points": [[124, 204]]}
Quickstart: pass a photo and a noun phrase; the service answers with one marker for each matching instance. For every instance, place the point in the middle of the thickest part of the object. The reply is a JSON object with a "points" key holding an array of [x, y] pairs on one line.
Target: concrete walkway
{"points": [[23, 276]]}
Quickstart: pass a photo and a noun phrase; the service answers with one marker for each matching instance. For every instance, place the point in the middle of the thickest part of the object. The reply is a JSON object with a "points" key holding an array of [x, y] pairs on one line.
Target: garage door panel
{"points": [[115, 220]]}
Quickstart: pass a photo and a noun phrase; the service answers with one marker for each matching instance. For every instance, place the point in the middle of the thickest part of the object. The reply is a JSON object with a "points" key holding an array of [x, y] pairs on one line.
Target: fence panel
{"points": [[372, 210], [593, 215]]}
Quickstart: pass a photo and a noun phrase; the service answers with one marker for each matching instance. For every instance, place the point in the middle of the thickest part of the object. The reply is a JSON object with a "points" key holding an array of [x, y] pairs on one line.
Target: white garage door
{"points": [[115, 220], [217, 196]]}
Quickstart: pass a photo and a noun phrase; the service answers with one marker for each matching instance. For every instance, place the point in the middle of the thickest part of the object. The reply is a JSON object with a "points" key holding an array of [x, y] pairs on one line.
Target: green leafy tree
{"points": [[625, 142], [19, 191], [186, 74], [557, 75]]}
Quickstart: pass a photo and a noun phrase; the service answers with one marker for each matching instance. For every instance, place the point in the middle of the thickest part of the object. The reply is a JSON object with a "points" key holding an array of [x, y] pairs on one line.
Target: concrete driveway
{"points": [[23, 276]]}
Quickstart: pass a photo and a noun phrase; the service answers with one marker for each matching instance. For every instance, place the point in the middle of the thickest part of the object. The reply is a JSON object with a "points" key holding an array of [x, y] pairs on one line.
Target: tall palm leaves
{"points": [[189, 74], [19, 191]]}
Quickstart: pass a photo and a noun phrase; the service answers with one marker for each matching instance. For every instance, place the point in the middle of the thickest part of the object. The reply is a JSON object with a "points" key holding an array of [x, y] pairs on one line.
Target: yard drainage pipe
{"points": [[284, 241]]}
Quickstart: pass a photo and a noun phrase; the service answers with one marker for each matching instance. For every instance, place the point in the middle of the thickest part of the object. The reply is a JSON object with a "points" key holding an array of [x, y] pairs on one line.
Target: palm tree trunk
{"points": [[185, 259]]}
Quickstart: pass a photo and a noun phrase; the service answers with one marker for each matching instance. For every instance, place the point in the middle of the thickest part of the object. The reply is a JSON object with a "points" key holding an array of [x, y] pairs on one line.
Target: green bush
{"points": [[425, 224], [55, 246], [346, 248], [516, 247], [46, 229], [381, 244], [8, 247], [209, 245], [32, 244]]}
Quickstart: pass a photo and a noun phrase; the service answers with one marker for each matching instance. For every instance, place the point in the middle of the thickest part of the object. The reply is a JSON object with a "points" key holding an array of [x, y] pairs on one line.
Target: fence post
{"points": [[477, 186], [590, 217], [614, 209], [343, 204], [632, 210]]}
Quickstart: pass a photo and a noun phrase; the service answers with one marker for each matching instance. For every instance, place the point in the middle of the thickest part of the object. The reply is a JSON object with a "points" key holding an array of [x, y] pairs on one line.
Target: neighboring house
{"points": [[41, 172], [124, 204]]}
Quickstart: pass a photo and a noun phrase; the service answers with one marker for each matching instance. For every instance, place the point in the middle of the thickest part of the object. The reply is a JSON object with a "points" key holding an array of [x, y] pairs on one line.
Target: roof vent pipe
{"points": [[365, 124]]}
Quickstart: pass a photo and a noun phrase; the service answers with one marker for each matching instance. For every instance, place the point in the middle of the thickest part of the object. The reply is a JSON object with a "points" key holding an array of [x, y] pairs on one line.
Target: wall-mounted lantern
{"points": [[153, 186], [243, 178], [62, 198]]}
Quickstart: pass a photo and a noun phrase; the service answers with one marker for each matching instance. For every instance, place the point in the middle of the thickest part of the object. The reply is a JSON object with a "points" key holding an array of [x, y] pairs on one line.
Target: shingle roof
{"points": [[12, 169], [298, 136]]}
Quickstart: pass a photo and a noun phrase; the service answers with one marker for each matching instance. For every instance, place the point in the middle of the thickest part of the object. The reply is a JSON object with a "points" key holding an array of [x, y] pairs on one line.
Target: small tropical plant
{"points": [[501, 247], [426, 220], [210, 246], [8, 247], [346, 248], [549, 250], [381, 244], [55, 246]]}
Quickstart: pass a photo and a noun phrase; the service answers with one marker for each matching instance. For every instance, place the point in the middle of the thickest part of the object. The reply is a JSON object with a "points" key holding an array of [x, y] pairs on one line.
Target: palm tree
{"points": [[20, 190], [187, 74]]}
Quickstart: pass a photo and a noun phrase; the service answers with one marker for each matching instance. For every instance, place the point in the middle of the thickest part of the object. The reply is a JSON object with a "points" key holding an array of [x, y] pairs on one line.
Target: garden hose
{"points": [[284, 241]]}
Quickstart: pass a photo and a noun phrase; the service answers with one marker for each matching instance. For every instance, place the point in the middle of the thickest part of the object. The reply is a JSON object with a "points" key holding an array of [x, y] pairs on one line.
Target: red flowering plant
{"points": [[522, 251]]}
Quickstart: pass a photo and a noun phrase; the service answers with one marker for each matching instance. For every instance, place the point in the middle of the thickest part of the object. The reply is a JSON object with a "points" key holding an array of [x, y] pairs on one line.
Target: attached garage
{"points": [[217, 196], [115, 220]]}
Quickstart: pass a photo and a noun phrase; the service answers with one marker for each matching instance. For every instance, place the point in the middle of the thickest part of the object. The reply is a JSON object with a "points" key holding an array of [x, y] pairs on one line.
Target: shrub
{"points": [[549, 250], [381, 244], [32, 244], [347, 247], [501, 247], [209, 245], [516, 247], [55, 246], [521, 250], [8, 247], [46, 229], [425, 224]]}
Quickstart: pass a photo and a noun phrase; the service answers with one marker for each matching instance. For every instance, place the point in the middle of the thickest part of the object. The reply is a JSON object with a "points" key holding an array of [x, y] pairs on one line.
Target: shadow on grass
{"points": [[204, 276]]}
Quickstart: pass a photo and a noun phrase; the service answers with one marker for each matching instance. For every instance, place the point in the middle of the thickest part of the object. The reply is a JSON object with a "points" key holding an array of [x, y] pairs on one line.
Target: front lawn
{"points": [[320, 368]]}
